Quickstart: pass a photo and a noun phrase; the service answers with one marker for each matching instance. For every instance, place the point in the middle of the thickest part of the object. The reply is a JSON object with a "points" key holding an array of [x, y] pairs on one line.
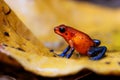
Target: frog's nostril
{"points": [[55, 29]]}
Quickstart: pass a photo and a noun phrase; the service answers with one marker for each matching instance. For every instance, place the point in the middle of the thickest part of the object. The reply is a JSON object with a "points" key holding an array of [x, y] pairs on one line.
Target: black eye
{"points": [[62, 29]]}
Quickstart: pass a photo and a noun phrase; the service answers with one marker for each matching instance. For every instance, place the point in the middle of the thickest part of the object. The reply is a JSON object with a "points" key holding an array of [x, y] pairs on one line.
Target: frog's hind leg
{"points": [[97, 53], [97, 42]]}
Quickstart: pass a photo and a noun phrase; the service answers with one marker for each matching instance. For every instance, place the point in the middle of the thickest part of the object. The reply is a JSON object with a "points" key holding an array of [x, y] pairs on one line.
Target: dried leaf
{"points": [[13, 33], [55, 66]]}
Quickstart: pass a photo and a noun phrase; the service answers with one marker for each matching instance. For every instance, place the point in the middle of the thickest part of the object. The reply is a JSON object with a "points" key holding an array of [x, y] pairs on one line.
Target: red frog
{"points": [[80, 42]]}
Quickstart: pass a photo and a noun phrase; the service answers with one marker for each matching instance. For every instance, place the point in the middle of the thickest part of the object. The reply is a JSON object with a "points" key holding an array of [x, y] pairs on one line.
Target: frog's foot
{"points": [[63, 53], [68, 50], [97, 53]]}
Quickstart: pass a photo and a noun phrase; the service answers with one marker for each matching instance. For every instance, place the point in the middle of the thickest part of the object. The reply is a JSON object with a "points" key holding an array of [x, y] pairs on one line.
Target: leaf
{"points": [[55, 66], [13, 33]]}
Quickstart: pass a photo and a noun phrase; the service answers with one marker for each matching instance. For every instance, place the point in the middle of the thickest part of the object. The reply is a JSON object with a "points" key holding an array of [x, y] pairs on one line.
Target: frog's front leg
{"points": [[64, 52], [70, 52], [97, 53]]}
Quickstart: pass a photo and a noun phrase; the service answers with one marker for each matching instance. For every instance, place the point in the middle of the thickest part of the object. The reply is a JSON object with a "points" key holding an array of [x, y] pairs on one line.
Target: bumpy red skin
{"points": [[80, 41]]}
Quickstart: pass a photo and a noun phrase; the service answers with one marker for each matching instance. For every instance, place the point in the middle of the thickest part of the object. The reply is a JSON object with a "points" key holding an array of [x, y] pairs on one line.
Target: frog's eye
{"points": [[62, 29]]}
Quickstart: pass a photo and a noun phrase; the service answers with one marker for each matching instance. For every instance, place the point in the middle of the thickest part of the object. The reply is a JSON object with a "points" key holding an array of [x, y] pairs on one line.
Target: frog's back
{"points": [[82, 42]]}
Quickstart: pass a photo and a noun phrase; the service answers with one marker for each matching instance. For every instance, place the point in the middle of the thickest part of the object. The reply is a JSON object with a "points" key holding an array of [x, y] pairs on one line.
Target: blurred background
{"points": [[98, 18]]}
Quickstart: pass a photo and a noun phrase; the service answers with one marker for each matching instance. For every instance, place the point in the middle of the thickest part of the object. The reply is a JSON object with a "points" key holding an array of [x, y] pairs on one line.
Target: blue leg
{"points": [[97, 53], [70, 53], [92, 52], [97, 42], [64, 52]]}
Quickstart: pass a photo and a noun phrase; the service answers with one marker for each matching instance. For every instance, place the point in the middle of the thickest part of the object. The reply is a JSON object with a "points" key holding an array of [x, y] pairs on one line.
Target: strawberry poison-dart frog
{"points": [[80, 42]]}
